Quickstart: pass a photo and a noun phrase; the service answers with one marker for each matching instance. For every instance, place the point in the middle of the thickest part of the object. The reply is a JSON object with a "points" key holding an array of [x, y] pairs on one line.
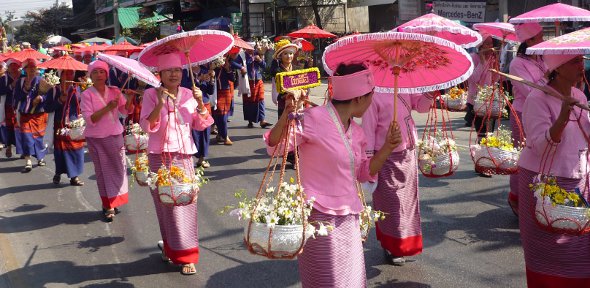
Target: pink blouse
{"points": [[529, 69], [377, 118], [172, 132], [325, 164], [571, 153], [109, 124]]}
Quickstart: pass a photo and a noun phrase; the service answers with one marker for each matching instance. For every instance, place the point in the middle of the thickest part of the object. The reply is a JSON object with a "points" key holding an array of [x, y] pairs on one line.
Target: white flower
{"points": [[236, 213], [323, 230]]}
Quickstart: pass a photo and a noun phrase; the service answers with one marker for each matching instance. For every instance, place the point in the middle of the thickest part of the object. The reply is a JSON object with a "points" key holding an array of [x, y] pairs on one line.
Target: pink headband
{"points": [[169, 61], [554, 61], [98, 64], [527, 31], [353, 85]]}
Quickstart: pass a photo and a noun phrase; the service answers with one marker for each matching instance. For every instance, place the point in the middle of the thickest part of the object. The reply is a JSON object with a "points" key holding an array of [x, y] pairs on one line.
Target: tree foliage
{"points": [[40, 24], [317, 6]]}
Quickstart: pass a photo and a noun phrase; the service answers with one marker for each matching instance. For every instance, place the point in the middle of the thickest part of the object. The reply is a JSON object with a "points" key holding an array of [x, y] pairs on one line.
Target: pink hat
{"points": [[554, 61], [353, 85], [526, 31], [169, 61], [98, 64]]}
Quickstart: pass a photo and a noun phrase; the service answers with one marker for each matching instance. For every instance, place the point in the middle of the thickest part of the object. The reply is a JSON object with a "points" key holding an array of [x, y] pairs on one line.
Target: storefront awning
{"points": [[128, 17]]}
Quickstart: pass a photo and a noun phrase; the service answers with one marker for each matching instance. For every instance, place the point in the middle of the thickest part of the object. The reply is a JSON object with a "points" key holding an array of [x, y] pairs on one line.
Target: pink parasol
{"points": [[403, 62], [196, 47], [574, 43], [442, 27], [498, 30], [557, 12], [64, 63], [553, 12], [311, 32], [28, 54], [131, 67]]}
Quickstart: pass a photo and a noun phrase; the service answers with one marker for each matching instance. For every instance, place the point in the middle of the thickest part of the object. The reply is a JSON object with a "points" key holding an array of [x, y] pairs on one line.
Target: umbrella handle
{"points": [[537, 86], [190, 69]]}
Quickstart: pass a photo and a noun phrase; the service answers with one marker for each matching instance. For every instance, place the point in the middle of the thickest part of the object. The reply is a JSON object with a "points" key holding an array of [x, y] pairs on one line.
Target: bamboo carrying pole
{"points": [[537, 86]]}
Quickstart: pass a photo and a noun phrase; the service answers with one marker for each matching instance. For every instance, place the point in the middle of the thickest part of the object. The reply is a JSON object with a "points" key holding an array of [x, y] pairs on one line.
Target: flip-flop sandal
{"points": [[163, 255], [27, 169], [188, 269], [109, 215]]}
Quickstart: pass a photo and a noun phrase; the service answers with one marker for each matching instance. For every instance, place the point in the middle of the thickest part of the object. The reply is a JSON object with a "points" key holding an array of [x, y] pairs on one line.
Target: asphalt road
{"points": [[54, 236]]}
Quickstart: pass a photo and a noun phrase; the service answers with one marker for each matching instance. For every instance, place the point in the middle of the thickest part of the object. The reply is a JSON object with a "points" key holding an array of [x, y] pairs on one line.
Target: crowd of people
{"points": [[334, 151]]}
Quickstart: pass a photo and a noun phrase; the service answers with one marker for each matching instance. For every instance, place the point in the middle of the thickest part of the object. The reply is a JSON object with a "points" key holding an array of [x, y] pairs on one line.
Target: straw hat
{"points": [[282, 46]]}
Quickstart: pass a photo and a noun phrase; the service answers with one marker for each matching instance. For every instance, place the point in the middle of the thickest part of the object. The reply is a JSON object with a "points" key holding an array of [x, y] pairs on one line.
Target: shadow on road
{"points": [[265, 273], [65, 272], [404, 284], [95, 244], [26, 188], [111, 284], [30, 222], [28, 208]]}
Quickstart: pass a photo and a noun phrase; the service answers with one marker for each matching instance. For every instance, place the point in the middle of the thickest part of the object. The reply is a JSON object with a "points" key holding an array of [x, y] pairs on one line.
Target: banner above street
{"points": [[467, 11]]}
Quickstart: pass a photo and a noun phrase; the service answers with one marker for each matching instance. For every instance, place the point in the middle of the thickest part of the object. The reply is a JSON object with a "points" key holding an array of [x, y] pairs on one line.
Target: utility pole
{"points": [[503, 10], [116, 19]]}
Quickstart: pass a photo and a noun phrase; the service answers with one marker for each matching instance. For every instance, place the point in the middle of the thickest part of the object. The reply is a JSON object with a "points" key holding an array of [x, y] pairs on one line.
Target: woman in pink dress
{"points": [[400, 234], [331, 152], [100, 106], [555, 260], [530, 68], [169, 122]]}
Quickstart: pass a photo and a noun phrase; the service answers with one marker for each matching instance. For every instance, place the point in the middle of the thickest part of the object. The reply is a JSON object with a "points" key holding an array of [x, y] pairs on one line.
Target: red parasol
{"points": [[61, 48], [311, 32], [123, 47], [65, 62], [240, 43], [79, 45], [28, 54], [304, 44]]}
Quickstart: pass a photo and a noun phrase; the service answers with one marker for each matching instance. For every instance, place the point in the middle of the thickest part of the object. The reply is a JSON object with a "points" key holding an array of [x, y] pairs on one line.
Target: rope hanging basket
{"points": [[494, 152], [495, 160], [280, 232], [490, 102], [77, 131], [140, 170], [178, 194], [560, 211], [135, 139], [437, 151], [455, 100]]}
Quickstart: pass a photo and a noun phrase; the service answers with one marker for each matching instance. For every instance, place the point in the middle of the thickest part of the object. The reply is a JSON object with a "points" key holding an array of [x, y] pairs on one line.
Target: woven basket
{"points": [[457, 104], [141, 178], [494, 159], [76, 133], [178, 194], [136, 142], [441, 166], [494, 109], [560, 218], [285, 240]]}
